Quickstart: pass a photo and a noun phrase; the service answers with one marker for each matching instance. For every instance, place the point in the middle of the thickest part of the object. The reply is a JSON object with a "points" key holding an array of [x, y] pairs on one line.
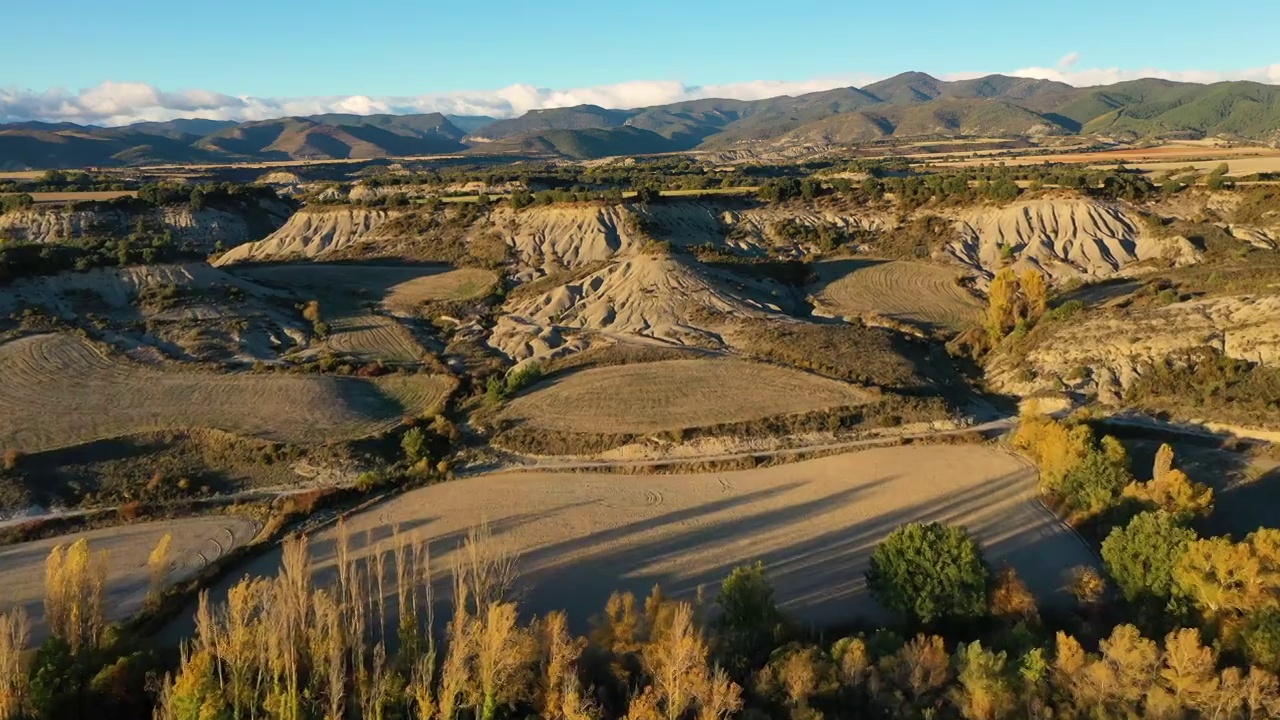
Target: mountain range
{"points": [[911, 104]]}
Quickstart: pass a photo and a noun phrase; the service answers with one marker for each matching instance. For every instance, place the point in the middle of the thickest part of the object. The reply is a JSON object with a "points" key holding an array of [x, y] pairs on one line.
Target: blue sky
{"points": [[289, 49]]}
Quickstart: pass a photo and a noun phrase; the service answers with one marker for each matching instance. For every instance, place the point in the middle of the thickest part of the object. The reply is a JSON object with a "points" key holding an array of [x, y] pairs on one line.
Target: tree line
{"points": [[968, 642]]}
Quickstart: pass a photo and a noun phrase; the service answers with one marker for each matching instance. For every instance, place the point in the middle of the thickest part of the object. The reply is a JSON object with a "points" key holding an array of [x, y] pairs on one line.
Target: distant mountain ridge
{"points": [[907, 105]]}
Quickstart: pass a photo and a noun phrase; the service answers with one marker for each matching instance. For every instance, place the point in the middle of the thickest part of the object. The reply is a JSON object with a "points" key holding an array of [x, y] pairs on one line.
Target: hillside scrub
{"points": [[144, 245], [1203, 381], [850, 352]]}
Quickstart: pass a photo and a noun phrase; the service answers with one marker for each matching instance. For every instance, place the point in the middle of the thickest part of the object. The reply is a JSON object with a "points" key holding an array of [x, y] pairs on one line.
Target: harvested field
{"points": [[922, 295], [814, 525], [96, 195], [347, 291], [372, 337], [60, 391], [196, 542], [458, 284], [675, 394], [1176, 154], [399, 288]]}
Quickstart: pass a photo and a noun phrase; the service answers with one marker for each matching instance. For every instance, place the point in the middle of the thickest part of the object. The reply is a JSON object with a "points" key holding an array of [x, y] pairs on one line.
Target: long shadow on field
{"points": [[833, 271], [1246, 506], [818, 578]]}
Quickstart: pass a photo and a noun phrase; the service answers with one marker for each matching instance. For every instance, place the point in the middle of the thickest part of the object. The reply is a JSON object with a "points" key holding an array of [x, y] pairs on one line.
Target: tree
{"points": [[780, 190], [930, 573], [1095, 484], [1002, 304], [1226, 578], [74, 582], [195, 693], [414, 445], [1087, 585], [1174, 493], [1011, 601], [1217, 179], [1260, 638], [676, 660], [1141, 556], [749, 618], [158, 566], [1163, 462], [1171, 490], [1189, 676], [646, 194], [1055, 447], [985, 691], [1035, 293], [15, 632], [58, 675]]}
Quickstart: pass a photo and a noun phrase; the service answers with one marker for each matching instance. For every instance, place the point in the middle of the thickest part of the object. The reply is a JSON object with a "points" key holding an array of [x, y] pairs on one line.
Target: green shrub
{"points": [[1141, 556], [414, 445], [930, 573]]}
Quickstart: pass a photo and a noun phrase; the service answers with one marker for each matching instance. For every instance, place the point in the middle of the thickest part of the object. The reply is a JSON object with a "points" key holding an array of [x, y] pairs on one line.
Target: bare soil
{"points": [[195, 543], [814, 525]]}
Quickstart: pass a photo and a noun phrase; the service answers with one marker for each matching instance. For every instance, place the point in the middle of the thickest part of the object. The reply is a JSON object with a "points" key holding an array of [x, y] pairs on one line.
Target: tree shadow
{"points": [[818, 577]]}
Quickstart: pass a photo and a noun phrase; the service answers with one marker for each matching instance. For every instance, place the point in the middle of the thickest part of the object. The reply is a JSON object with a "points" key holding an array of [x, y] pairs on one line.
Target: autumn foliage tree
{"points": [[1171, 490], [1015, 300]]}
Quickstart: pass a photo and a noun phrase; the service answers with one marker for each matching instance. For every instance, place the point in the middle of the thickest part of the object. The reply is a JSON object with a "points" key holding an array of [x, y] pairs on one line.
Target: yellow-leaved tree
{"points": [[1171, 490], [1002, 304], [1035, 294]]}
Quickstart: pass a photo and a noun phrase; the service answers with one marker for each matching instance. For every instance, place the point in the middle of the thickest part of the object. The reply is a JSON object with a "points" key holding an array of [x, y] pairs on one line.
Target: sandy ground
{"points": [[61, 391], [195, 543], [675, 394], [813, 524], [915, 293]]}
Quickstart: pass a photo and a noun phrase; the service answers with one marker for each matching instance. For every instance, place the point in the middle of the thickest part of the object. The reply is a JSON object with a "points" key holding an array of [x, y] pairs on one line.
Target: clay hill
{"points": [[911, 104]]}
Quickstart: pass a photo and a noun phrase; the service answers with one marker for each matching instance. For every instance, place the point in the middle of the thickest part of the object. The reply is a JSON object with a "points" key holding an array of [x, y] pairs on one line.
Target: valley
{"points": [[553, 361]]}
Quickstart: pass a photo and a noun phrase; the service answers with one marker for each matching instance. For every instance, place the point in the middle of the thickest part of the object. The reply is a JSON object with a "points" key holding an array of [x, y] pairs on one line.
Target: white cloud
{"points": [[1086, 77], [119, 103]]}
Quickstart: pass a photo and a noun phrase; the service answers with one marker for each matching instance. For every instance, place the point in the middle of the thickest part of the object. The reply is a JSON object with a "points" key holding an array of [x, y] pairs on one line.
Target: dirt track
{"points": [[813, 523], [195, 543]]}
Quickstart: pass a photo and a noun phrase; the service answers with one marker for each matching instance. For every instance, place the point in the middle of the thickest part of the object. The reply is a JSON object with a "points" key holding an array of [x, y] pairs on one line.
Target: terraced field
{"points": [[59, 391], [372, 337], [814, 525], [457, 284], [353, 299], [399, 288], [675, 394], [195, 543], [915, 293]]}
